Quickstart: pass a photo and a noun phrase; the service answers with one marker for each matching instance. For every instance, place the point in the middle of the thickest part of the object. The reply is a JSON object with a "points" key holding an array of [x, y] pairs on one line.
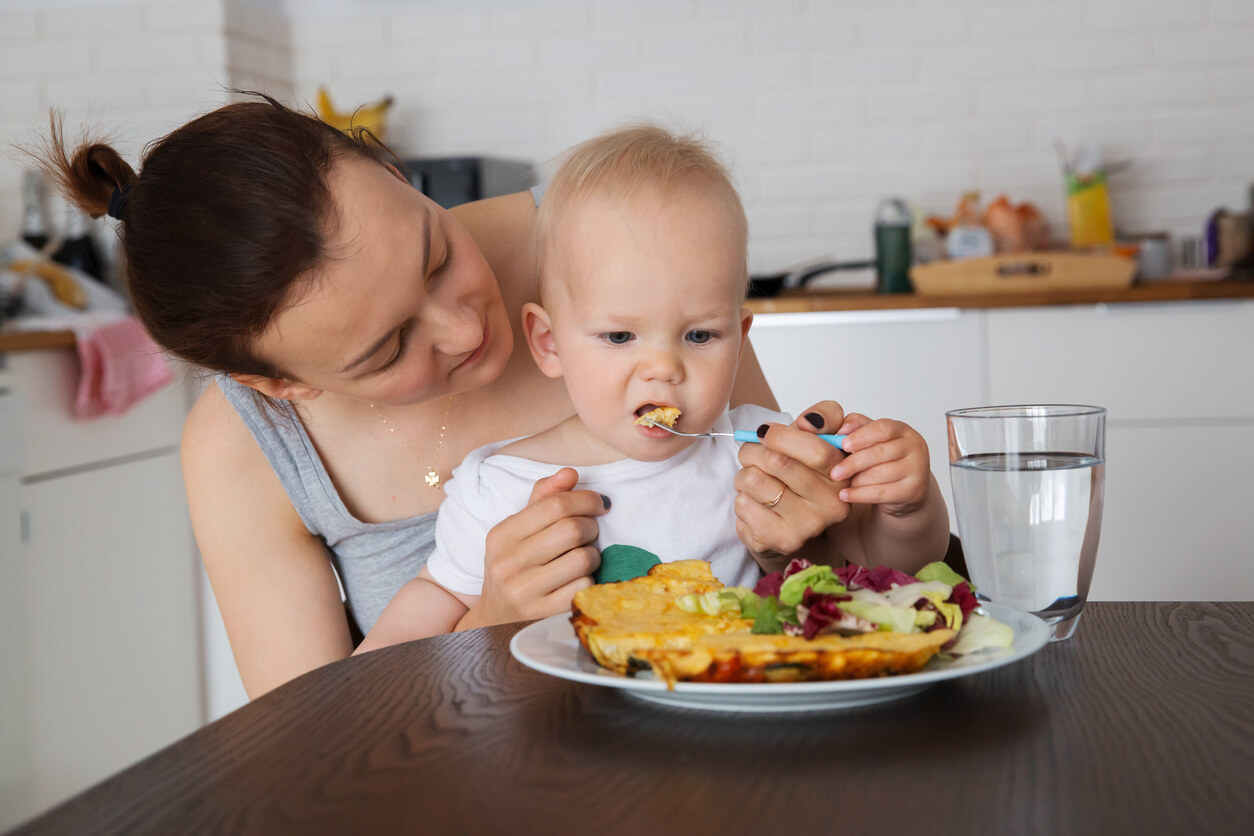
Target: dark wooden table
{"points": [[1141, 723]]}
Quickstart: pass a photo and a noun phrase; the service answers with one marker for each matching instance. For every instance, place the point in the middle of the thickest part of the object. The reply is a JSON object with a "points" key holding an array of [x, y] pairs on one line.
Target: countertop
{"points": [[862, 300]]}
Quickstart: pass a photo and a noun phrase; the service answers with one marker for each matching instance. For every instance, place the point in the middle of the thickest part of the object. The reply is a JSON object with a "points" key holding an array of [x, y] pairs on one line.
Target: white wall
{"points": [[825, 107], [128, 71]]}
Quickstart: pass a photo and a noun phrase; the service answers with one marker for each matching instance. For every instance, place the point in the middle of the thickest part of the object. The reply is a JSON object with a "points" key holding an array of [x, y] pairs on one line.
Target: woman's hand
{"points": [[785, 495], [537, 559], [887, 465]]}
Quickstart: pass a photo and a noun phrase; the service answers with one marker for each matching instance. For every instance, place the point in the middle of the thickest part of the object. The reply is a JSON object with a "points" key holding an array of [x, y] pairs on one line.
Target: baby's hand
{"points": [[887, 465]]}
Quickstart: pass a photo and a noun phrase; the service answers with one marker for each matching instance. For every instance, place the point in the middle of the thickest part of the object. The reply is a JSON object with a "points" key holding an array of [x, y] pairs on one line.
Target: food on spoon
{"points": [[806, 623], [665, 415]]}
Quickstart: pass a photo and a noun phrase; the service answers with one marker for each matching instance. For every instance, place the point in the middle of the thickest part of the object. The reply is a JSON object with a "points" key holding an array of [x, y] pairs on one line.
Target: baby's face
{"points": [[646, 305]]}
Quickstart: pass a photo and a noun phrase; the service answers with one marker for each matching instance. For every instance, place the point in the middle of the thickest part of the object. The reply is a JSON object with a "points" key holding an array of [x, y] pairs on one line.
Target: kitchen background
{"points": [[822, 108]]}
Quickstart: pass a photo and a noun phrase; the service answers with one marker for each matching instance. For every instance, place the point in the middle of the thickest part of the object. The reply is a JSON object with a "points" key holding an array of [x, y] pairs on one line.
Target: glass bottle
{"points": [[78, 250], [34, 222], [893, 254]]}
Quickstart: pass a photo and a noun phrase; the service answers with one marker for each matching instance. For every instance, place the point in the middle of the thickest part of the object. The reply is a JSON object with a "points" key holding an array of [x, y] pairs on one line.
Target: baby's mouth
{"points": [[662, 414]]}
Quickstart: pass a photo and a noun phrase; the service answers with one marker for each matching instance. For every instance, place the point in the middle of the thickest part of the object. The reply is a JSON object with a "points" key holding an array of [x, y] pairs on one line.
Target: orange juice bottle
{"points": [[1088, 209]]}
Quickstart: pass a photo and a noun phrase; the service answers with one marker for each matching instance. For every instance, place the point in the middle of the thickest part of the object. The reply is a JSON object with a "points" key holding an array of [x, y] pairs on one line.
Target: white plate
{"points": [[550, 646]]}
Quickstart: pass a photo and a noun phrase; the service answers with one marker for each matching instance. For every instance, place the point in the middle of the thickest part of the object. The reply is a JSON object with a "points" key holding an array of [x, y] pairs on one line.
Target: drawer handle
{"points": [[1008, 269]]}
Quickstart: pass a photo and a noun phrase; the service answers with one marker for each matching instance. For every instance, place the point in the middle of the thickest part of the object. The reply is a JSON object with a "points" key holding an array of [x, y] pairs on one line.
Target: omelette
{"points": [[649, 623]]}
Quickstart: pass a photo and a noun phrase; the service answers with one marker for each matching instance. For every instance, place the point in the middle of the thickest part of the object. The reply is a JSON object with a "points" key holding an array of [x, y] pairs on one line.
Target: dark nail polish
{"points": [[762, 430], [815, 420], [605, 500]]}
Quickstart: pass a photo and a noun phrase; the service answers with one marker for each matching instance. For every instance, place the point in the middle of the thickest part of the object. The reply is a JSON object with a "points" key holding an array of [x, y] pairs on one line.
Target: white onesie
{"points": [[678, 509]]}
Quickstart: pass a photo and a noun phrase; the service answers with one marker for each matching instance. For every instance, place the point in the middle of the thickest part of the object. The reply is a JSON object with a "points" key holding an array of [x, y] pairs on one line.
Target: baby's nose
{"points": [[662, 365]]}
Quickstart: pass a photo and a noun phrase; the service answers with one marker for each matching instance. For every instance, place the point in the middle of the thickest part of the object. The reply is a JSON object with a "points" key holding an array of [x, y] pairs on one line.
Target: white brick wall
{"points": [[129, 70], [822, 106]]}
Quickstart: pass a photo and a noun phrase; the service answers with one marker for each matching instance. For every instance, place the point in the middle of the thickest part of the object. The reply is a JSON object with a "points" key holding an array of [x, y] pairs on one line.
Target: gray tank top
{"points": [[374, 560]]}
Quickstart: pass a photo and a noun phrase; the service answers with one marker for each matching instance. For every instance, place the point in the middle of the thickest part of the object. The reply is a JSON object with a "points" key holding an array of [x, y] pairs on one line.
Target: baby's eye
{"points": [[617, 337], [700, 337]]}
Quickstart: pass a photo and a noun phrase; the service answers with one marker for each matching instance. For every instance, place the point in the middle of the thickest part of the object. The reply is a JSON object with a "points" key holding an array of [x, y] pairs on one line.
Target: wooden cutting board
{"points": [[1024, 273]]}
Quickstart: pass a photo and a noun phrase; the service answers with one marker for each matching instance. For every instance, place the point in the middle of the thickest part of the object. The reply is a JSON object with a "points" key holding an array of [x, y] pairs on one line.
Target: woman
{"points": [[366, 340]]}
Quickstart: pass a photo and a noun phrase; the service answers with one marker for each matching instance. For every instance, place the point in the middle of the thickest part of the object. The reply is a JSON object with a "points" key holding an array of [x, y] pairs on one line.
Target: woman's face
{"points": [[404, 310]]}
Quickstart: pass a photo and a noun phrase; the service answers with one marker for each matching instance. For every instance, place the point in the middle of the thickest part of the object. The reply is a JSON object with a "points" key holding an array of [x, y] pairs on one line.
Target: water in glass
{"points": [[1030, 524]]}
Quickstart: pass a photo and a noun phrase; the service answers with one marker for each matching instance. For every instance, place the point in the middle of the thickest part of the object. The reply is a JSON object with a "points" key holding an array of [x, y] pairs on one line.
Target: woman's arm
{"points": [[272, 579]]}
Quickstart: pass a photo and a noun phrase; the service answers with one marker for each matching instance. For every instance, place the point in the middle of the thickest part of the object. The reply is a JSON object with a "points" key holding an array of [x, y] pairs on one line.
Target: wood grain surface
{"points": [[1141, 723]]}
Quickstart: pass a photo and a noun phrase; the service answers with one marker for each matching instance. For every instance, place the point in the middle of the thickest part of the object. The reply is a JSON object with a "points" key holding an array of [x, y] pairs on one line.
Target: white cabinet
{"points": [[14, 706], [1176, 383], [1156, 363], [1173, 376], [103, 666], [909, 365]]}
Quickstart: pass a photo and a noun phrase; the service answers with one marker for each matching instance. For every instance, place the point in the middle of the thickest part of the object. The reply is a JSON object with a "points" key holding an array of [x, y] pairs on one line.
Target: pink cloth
{"points": [[120, 365]]}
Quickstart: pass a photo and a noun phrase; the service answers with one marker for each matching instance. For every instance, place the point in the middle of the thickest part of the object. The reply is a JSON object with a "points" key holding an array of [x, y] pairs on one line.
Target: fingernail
{"points": [[605, 500], [844, 496], [815, 420], [837, 474], [762, 430]]}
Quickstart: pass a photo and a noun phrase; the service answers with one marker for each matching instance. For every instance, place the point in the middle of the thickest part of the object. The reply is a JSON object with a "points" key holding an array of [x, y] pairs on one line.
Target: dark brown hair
{"points": [[226, 215]]}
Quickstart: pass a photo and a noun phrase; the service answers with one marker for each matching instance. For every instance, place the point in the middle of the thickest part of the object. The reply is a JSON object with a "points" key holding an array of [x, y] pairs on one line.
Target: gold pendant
{"points": [[433, 479]]}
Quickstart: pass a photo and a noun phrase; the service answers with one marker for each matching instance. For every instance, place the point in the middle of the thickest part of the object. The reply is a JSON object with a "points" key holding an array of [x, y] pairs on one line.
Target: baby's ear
{"points": [[746, 320], [538, 328]]}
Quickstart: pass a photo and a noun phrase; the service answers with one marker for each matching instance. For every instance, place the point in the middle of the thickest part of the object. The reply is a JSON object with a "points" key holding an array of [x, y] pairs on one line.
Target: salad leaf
{"points": [[819, 578], [769, 585], [939, 571], [885, 616], [773, 618], [964, 598], [878, 579], [820, 613], [982, 633]]}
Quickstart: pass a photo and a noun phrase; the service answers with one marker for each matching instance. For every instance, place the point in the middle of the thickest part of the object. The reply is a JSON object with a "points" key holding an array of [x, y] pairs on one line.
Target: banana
{"points": [[61, 283], [372, 117]]}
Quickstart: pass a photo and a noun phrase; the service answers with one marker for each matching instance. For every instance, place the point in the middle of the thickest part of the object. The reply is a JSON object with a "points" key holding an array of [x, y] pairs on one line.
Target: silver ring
{"points": [[776, 500]]}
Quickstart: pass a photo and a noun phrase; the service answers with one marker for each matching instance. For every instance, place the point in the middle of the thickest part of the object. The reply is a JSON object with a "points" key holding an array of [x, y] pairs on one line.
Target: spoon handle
{"points": [[751, 437]]}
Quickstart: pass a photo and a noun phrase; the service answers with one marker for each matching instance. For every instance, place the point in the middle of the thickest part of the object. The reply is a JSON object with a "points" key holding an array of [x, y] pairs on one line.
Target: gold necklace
{"points": [[432, 477]]}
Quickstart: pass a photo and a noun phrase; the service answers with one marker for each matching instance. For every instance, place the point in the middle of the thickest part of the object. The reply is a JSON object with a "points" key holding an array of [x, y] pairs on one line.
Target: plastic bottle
{"points": [[78, 250], [893, 254], [34, 221]]}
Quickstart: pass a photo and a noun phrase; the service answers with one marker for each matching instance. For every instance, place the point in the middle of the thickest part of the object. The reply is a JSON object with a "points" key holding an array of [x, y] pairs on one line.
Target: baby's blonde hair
{"points": [[622, 163]]}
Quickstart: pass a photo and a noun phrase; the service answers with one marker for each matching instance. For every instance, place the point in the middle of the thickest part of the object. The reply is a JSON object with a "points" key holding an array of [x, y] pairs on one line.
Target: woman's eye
{"points": [[402, 339], [444, 265], [700, 337], [618, 337]]}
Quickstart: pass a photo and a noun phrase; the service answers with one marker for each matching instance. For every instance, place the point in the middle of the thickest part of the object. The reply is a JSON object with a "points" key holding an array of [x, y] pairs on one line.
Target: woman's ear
{"points": [[538, 328], [279, 388]]}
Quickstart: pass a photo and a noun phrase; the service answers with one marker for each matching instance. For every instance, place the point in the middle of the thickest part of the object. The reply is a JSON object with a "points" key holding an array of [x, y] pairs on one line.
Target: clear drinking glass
{"points": [[1028, 483]]}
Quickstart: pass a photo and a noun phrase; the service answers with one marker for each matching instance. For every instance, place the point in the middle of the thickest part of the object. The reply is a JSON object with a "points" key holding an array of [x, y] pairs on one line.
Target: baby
{"points": [[643, 271]]}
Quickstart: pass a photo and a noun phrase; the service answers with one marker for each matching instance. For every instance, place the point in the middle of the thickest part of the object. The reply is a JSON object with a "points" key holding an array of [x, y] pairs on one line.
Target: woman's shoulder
{"points": [[504, 229], [215, 434]]}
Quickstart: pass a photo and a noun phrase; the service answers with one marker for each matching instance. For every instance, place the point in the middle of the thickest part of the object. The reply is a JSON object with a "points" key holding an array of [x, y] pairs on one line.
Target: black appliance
{"points": [[450, 181]]}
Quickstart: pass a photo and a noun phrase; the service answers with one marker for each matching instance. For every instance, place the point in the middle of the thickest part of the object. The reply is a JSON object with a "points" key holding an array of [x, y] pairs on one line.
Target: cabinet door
{"points": [[1177, 524], [112, 615], [1143, 362], [907, 365], [14, 742]]}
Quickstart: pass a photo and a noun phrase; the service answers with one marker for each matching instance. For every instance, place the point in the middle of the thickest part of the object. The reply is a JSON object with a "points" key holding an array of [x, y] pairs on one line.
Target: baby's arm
{"points": [[898, 517], [800, 497], [421, 608]]}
